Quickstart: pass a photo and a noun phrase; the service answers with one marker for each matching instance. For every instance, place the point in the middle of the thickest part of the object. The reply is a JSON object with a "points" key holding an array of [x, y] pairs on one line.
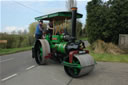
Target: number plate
{"points": [[82, 52]]}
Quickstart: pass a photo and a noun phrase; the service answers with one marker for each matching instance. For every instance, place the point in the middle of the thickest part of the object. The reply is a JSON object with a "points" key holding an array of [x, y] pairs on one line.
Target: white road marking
{"points": [[30, 67], [6, 60], [9, 77]]}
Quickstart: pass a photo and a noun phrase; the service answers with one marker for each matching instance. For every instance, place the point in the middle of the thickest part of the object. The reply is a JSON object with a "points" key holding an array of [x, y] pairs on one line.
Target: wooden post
{"points": [[3, 41]]}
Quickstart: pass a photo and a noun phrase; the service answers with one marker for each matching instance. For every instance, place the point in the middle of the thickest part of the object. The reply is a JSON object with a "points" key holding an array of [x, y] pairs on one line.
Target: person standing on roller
{"points": [[50, 27], [39, 30]]}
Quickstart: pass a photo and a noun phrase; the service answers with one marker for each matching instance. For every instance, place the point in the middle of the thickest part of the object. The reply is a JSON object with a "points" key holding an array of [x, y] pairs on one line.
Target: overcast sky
{"points": [[18, 14]]}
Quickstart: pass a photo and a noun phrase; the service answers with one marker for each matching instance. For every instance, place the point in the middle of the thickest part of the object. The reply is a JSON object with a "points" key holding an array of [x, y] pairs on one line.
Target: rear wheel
{"points": [[39, 54], [42, 49]]}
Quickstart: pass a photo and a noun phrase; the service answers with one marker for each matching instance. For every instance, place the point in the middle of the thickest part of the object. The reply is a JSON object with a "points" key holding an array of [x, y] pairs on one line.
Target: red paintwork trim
{"points": [[71, 54], [87, 51], [54, 38], [48, 56]]}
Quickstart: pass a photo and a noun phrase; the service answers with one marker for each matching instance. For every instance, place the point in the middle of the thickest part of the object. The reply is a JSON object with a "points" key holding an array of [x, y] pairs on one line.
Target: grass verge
{"points": [[83, 38], [110, 57], [13, 50], [107, 57]]}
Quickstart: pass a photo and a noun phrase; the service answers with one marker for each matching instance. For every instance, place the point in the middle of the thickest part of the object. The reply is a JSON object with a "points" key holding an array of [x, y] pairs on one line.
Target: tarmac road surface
{"points": [[105, 73], [17, 62], [21, 69]]}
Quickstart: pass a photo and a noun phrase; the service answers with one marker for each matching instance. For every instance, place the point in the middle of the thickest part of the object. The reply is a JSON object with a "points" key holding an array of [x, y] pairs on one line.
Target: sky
{"points": [[18, 14]]}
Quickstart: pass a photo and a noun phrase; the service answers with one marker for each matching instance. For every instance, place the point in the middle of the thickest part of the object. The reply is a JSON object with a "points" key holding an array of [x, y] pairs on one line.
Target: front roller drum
{"points": [[81, 65], [42, 49]]}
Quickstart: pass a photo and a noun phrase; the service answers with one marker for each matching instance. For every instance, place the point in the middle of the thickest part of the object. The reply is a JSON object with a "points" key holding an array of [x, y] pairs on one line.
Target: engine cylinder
{"points": [[61, 47]]}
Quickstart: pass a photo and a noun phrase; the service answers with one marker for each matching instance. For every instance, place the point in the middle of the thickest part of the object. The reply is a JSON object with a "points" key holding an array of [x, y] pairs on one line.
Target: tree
{"points": [[20, 32], [32, 28], [25, 32], [13, 32], [84, 32], [107, 20], [94, 20], [78, 29], [119, 15]]}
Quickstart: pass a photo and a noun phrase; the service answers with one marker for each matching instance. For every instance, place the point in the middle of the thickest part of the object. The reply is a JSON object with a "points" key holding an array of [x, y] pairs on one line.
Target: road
{"points": [[21, 69], [15, 63]]}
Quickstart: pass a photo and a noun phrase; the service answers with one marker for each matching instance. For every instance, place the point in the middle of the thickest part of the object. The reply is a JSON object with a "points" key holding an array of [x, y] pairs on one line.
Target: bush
{"points": [[16, 41], [106, 20]]}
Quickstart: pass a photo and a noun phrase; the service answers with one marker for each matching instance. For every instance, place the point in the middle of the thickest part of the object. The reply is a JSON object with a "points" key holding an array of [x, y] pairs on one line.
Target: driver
{"points": [[50, 27]]}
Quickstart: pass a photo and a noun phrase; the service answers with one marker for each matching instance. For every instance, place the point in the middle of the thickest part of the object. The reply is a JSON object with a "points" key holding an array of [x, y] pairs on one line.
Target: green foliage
{"points": [[107, 20], [110, 57], [83, 38], [32, 28], [107, 57], [16, 41], [25, 42], [84, 32], [78, 28]]}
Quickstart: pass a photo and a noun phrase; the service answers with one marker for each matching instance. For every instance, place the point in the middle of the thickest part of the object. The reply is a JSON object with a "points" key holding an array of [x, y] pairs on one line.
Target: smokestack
{"points": [[74, 13]]}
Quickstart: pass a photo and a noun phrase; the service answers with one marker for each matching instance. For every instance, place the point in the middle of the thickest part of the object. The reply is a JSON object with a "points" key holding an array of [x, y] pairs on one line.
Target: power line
{"points": [[28, 7]]}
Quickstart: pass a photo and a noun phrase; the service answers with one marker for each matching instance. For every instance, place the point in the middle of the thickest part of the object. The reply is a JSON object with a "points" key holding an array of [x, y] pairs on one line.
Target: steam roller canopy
{"points": [[81, 65], [42, 50]]}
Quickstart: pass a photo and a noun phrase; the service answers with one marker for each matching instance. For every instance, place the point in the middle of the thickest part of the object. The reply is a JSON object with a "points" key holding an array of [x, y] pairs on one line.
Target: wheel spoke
{"points": [[73, 71]]}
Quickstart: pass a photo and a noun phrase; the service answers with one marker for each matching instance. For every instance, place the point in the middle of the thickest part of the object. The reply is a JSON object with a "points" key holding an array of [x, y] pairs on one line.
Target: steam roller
{"points": [[63, 47]]}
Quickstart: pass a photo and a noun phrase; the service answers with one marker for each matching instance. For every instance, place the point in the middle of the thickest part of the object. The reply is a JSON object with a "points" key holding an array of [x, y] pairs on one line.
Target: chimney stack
{"points": [[74, 15]]}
